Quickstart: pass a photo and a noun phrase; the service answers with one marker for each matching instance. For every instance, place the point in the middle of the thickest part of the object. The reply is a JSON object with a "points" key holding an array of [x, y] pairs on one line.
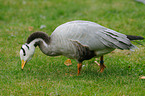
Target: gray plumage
{"points": [[97, 38], [80, 40]]}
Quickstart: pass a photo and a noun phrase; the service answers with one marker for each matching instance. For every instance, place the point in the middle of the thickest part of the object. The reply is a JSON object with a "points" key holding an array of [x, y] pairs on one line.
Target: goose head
{"points": [[27, 50], [26, 53]]}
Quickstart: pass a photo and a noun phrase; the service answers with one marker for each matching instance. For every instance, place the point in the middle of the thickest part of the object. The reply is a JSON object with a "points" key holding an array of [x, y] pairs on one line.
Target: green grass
{"points": [[45, 75]]}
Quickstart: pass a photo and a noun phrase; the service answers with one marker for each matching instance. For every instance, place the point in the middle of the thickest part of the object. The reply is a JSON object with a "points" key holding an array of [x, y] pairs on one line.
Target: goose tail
{"points": [[131, 37]]}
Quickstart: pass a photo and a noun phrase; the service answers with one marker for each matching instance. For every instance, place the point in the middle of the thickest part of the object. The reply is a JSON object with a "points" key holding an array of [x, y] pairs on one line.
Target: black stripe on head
{"points": [[27, 46], [23, 51]]}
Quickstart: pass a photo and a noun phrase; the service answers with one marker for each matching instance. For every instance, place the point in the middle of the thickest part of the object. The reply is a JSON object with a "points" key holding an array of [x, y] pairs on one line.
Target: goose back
{"points": [[92, 35]]}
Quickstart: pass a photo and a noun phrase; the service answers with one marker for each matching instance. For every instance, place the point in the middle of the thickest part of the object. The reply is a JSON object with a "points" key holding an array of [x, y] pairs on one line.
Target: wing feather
{"points": [[116, 42]]}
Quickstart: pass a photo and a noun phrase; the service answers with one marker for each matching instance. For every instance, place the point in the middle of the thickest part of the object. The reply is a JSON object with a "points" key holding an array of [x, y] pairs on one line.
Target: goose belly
{"points": [[75, 50], [79, 52]]}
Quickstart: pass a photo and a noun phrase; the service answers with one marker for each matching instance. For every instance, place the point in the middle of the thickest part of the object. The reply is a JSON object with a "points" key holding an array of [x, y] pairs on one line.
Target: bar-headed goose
{"points": [[80, 40]]}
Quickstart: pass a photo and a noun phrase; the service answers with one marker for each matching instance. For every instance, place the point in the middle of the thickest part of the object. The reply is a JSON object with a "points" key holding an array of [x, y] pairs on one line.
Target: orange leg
{"points": [[79, 68], [102, 66]]}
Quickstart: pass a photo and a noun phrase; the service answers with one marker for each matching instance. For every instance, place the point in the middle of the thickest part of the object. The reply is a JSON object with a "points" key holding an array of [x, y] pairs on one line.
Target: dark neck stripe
{"points": [[40, 35], [23, 51]]}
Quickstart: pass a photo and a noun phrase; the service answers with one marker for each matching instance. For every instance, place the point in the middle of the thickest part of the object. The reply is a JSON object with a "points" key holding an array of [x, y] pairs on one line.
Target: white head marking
{"points": [[26, 52]]}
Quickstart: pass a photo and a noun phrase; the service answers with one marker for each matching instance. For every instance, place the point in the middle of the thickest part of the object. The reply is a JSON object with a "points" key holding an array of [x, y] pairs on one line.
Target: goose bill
{"points": [[23, 64]]}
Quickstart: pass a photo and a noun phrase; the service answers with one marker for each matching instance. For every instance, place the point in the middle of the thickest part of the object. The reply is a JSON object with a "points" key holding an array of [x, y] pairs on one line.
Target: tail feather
{"points": [[131, 37]]}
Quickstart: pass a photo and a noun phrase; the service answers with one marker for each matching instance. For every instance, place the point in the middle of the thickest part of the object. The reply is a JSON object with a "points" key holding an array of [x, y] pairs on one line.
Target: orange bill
{"points": [[23, 63]]}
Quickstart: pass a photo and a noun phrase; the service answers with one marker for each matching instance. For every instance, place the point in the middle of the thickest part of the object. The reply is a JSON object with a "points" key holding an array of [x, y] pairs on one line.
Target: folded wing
{"points": [[92, 35]]}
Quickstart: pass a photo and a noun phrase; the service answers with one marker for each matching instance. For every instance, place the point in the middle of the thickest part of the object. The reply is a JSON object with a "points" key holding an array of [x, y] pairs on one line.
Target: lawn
{"points": [[45, 75]]}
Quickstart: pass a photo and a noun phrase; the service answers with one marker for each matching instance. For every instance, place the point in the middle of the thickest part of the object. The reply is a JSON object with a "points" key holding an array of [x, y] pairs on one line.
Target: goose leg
{"points": [[79, 68], [102, 66]]}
